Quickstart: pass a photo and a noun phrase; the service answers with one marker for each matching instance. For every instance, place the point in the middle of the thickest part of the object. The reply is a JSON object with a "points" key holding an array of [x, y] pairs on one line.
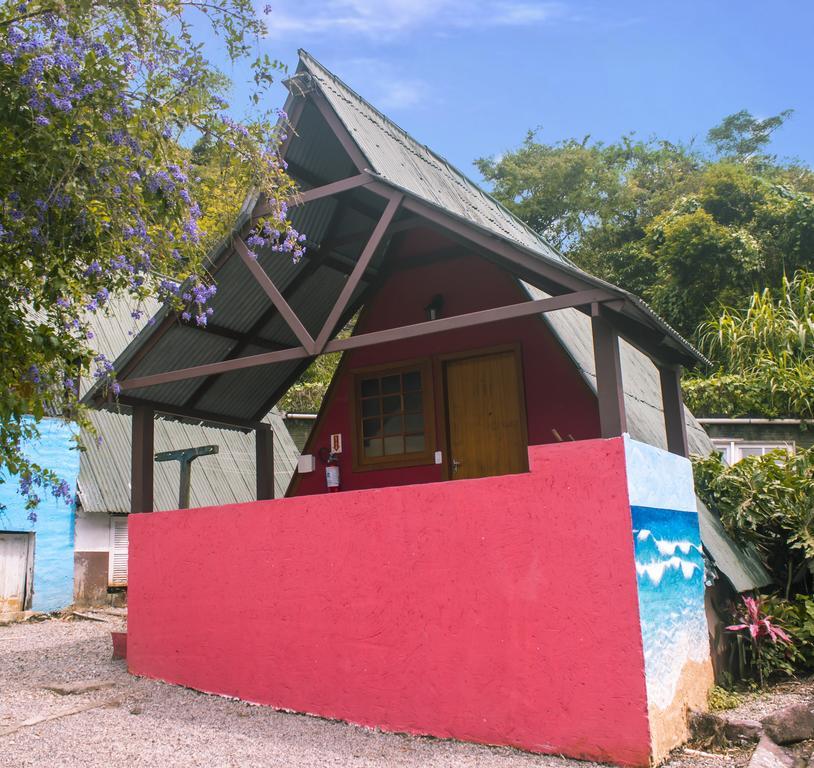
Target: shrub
{"points": [[767, 501]]}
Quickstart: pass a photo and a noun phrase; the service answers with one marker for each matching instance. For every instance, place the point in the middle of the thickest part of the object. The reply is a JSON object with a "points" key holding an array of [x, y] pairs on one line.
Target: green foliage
{"points": [[585, 197], [796, 615], [796, 618], [687, 232], [99, 193], [743, 136], [766, 661], [765, 356], [767, 501], [720, 699], [305, 396], [716, 247]]}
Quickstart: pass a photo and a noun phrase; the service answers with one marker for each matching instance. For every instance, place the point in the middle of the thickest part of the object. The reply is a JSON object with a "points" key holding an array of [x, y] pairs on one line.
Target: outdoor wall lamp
{"points": [[433, 309]]}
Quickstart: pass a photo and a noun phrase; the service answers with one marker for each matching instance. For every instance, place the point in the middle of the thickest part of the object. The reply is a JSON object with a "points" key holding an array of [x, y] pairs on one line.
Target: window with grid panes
{"points": [[393, 415]]}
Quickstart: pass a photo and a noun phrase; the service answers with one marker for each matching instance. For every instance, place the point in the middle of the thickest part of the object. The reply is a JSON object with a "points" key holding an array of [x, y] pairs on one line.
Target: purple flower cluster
{"points": [[276, 234], [32, 483]]}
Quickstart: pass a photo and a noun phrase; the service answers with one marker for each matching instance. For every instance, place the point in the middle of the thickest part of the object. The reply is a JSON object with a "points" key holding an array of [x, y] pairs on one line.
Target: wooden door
{"points": [[486, 419], [15, 576]]}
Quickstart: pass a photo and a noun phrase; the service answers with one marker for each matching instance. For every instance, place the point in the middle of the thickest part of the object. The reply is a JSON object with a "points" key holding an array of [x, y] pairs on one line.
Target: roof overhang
{"points": [[273, 316]]}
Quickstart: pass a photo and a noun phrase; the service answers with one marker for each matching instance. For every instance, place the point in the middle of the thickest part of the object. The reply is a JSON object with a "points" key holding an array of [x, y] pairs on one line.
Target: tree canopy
{"points": [[100, 192], [687, 231]]}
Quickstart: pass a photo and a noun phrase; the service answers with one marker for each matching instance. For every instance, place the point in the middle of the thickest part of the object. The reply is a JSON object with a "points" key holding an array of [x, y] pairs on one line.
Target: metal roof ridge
{"points": [[308, 59]]}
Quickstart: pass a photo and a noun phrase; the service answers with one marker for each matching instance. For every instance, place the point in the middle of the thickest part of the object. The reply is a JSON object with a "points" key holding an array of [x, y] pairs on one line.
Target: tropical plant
{"points": [[100, 193], [763, 637], [764, 356], [796, 615], [766, 501]]}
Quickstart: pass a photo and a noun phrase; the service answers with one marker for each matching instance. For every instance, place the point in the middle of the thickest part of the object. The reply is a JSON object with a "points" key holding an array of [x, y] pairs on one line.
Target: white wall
{"points": [[92, 532]]}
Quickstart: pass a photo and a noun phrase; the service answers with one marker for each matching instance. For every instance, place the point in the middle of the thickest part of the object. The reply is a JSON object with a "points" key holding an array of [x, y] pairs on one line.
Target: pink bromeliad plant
{"points": [[760, 630]]}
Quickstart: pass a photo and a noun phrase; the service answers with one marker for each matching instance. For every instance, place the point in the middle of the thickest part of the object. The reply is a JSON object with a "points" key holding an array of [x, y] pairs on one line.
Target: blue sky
{"points": [[471, 77]]}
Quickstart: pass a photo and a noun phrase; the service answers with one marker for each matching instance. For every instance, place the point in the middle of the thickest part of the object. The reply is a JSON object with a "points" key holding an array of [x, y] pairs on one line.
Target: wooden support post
{"points": [[141, 464], [264, 437], [674, 423], [609, 390]]}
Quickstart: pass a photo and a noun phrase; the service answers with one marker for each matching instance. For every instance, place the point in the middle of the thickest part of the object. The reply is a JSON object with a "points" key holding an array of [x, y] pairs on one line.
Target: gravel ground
{"points": [[154, 724]]}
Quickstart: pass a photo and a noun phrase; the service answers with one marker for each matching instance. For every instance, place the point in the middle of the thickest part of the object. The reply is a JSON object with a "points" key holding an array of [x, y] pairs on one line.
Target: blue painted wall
{"points": [[54, 529]]}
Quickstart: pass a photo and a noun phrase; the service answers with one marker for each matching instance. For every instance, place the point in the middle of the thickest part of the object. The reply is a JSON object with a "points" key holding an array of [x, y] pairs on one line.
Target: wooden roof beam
{"points": [[187, 414], [362, 263], [271, 290], [471, 319], [315, 193]]}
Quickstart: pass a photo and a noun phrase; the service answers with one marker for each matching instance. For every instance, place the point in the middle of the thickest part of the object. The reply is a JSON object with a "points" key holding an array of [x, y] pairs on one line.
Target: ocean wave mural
{"points": [[670, 575], [669, 568]]}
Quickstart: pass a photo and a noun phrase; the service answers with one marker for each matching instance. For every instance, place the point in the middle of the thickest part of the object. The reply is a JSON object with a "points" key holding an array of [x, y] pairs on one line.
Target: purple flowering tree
{"points": [[119, 166]]}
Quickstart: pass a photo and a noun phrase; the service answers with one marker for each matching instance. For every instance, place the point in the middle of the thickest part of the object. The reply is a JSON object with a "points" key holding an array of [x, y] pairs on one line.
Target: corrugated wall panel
{"points": [[224, 478]]}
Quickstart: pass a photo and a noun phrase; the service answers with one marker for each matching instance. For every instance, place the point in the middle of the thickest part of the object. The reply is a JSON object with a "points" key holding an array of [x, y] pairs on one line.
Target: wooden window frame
{"points": [[427, 456]]}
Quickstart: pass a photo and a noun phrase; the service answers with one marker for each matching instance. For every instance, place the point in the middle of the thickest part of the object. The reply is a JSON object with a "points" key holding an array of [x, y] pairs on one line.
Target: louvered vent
{"points": [[117, 576]]}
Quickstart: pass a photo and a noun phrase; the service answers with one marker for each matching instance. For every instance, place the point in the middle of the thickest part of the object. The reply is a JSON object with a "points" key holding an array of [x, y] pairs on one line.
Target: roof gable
{"points": [[397, 157]]}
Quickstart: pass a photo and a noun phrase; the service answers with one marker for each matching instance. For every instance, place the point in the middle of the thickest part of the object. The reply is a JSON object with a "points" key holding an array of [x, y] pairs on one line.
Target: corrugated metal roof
{"points": [[400, 161], [399, 158], [741, 565], [114, 327], [645, 416]]}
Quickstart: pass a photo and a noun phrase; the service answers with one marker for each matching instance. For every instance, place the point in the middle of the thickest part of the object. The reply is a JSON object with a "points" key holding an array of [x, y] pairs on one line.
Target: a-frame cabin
{"points": [[514, 556]]}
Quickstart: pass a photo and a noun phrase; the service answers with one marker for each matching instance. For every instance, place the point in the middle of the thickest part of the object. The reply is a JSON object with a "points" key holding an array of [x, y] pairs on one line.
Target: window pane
{"points": [[414, 443], [412, 381], [392, 425], [371, 427], [751, 450], [370, 387], [412, 402], [414, 422], [393, 445], [373, 448], [391, 384], [391, 404], [372, 407]]}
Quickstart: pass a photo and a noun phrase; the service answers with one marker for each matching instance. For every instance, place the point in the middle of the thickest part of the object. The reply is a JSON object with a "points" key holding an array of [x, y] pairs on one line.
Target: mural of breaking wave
{"points": [[670, 574]]}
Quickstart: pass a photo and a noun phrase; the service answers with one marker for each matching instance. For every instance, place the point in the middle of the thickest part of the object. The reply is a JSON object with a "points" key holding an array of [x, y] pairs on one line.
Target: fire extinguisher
{"points": [[331, 461]]}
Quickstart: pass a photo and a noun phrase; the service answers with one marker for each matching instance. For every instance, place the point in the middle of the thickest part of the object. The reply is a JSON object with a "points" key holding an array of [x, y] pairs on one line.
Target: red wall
{"points": [[556, 395], [501, 610]]}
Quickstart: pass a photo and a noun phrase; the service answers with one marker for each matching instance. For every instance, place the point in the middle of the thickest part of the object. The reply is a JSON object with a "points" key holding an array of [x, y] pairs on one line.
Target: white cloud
{"points": [[402, 94], [384, 84], [389, 19]]}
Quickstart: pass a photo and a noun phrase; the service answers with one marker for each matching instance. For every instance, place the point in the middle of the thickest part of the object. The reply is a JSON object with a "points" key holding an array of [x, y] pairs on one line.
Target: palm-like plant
{"points": [[780, 331], [764, 354]]}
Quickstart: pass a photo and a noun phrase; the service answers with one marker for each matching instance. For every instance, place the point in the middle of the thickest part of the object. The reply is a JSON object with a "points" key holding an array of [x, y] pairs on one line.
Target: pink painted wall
{"points": [[556, 395], [501, 610]]}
